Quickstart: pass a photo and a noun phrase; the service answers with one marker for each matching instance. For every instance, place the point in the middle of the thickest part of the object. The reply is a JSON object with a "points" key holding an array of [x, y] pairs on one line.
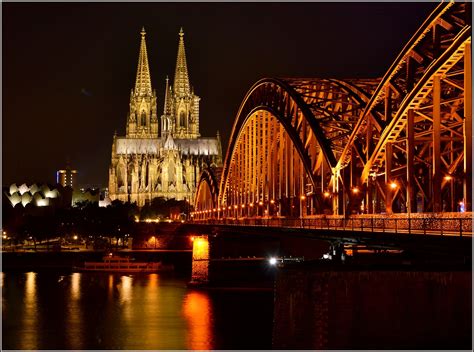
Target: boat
{"points": [[115, 263]]}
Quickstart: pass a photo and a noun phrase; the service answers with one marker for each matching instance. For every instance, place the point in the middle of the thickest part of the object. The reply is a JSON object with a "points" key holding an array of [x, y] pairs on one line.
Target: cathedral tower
{"points": [[142, 120], [181, 112]]}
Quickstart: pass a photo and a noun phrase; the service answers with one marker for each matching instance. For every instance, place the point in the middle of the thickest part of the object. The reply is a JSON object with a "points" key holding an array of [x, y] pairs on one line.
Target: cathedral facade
{"points": [[161, 156]]}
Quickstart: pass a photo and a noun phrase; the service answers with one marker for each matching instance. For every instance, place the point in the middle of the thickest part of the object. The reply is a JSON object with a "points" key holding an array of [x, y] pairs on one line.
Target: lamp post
{"points": [[302, 199], [449, 179]]}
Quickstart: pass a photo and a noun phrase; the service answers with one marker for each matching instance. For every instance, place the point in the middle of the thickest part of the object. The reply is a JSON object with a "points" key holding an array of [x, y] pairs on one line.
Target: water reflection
{"points": [[126, 289], [102, 311], [29, 334], [74, 316], [198, 312]]}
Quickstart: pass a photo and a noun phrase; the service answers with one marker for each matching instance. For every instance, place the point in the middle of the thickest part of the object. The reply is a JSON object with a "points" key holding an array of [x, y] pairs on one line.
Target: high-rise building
{"points": [[161, 159], [67, 177]]}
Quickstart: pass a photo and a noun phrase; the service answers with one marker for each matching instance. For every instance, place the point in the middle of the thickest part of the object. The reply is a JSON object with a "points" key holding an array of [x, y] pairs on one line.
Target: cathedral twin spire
{"points": [[143, 81], [181, 106], [181, 78]]}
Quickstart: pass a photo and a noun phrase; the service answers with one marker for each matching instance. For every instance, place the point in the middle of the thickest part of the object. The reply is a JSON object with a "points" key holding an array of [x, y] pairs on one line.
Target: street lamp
{"points": [[302, 198]]}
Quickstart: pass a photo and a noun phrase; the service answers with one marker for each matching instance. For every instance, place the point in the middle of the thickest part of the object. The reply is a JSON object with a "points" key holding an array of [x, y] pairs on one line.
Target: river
{"points": [[70, 310]]}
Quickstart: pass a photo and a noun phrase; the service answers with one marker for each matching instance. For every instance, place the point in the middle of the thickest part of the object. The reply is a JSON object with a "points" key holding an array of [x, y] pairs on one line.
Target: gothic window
{"points": [[181, 118], [143, 118]]}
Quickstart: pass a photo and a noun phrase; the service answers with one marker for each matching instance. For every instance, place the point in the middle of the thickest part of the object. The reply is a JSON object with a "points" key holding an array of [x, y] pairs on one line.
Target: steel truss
{"points": [[402, 143]]}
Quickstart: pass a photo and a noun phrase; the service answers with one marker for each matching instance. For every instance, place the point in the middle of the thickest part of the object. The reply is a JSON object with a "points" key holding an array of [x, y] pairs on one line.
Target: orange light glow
{"points": [[393, 185], [235, 206], [243, 205], [272, 201], [260, 203], [251, 204], [326, 194], [448, 177], [197, 310], [355, 190], [302, 197]]}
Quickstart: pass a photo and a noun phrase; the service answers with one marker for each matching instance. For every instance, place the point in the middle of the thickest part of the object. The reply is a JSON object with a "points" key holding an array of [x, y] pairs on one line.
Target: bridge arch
{"points": [[300, 124], [424, 105], [402, 143], [207, 191]]}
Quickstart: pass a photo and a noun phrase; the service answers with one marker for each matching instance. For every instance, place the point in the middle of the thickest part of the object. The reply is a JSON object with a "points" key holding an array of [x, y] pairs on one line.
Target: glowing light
{"points": [[197, 310], [75, 286], [302, 197], [75, 237], [260, 203], [251, 204], [126, 288], [272, 261], [229, 207], [272, 202], [448, 177], [243, 205], [4, 237], [355, 190], [235, 206], [192, 238], [200, 258], [42, 202], [393, 185], [326, 194]]}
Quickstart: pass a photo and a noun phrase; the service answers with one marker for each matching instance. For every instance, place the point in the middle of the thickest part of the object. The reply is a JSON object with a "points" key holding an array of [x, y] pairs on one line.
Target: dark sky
{"points": [[68, 68]]}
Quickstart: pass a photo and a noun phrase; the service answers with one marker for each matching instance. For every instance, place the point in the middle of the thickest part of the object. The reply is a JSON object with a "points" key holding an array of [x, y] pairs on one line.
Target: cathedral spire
{"points": [[143, 82], [181, 78], [165, 110]]}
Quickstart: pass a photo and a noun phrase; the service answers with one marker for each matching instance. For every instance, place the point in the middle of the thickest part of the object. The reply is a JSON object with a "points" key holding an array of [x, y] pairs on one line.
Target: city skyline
{"points": [[68, 98]]}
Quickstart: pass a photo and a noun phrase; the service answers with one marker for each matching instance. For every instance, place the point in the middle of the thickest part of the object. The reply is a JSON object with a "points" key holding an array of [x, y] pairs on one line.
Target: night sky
{"points": [[68, 68]]}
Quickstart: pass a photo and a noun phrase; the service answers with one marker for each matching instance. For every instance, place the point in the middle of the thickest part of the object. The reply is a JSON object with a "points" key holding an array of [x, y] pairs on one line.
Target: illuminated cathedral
{"points": [[161, 156]]}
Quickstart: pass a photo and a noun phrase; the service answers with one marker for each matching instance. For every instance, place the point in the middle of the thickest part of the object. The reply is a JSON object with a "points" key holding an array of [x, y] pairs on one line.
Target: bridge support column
{"points": [[436, 189], [200, 265], [336, 201], [388, 179], [411, 201], [467, 182]]}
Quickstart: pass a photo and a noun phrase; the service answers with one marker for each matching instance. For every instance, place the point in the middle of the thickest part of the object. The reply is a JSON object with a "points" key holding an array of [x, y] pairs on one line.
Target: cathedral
{"points": [[161, 156]]}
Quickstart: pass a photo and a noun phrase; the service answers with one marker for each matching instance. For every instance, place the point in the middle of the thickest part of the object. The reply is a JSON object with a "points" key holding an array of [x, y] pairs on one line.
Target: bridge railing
{"points": [[426, 226]]}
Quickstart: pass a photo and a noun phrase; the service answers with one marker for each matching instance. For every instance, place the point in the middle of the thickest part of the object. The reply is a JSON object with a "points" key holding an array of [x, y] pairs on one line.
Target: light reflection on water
{"points": [[111, 311], [198, 312], [74, 316]]}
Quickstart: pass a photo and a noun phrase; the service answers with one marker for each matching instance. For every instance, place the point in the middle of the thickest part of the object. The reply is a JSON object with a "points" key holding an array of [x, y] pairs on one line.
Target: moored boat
{"points": [[114, 263]]}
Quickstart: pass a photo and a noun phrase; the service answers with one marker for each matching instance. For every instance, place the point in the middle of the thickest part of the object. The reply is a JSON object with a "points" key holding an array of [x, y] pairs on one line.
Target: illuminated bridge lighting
{"points": [[291, 136]]}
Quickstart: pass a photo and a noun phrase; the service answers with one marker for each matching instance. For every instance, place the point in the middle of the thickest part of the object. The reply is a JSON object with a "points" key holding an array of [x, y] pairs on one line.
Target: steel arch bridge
{"points": [[402, 143]]}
